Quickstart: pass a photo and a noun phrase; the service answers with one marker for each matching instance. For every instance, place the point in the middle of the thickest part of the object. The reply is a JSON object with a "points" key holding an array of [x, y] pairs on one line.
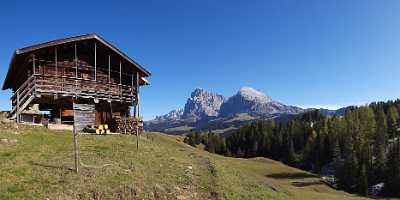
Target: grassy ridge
{"points": [[39, 167]]}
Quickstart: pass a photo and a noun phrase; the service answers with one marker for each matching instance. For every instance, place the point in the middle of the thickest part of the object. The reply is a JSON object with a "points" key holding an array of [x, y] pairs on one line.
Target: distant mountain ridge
{"points": [[339, 112], [208, 110], [172, 115], [202, 104], [255, 103]]}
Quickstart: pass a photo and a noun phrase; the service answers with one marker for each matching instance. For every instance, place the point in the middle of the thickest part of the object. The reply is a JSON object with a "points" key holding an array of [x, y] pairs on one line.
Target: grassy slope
{"points": [[38, 167]]}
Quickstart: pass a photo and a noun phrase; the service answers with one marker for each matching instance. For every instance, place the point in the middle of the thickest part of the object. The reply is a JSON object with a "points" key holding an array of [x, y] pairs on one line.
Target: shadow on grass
{"points": [[295, 175], [51, 166], [305, 184]]}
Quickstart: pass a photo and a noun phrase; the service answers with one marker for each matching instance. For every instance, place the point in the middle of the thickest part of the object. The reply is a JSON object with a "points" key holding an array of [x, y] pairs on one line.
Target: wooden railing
{"points": [[69, 86], [73, 78], [83, 88], [83, 70]]}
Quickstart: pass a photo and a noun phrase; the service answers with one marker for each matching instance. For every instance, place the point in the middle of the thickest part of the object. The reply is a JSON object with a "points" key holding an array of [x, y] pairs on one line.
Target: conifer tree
{"points": [[392, 183], [380, 145], [363, 180], [197, 137], [291, 155], [392, 120], [337, 156]]}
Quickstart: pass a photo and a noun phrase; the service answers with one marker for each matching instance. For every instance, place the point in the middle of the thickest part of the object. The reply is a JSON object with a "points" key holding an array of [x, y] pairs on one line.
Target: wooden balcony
{"points": [[79, 87], [71, 86]]}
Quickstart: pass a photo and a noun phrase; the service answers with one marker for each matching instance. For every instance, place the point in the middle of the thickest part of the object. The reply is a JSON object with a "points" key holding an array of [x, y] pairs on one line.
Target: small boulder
{"points": [[12, 141], [3, 141], [181, 197], [177, 188]]}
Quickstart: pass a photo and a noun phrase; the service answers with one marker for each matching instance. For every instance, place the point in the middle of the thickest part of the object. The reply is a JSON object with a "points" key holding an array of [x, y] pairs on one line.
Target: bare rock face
{"points": [[202, 104], [255, 103], [206, 108]]}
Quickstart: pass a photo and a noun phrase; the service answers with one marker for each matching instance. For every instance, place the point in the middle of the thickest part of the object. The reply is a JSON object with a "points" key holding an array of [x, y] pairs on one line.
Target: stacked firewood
{"points": [[126, 125], [101, 129]]}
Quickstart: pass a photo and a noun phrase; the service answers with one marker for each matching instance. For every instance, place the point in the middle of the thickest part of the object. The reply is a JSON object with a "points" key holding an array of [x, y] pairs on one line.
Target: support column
{"points": [[109, 77], [17, 111], [95, 61], [120, 80], [120, 72], [33, 64], [76, 62], [56, 60], [137, 94], [109, 68], [60, 113], [137, 107], [76, 73], [76, 147], [133, 102], [56, 65]]}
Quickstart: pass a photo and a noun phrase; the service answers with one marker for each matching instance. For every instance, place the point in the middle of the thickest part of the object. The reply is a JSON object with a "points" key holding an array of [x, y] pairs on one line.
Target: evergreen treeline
{"points": [[363, 146]]}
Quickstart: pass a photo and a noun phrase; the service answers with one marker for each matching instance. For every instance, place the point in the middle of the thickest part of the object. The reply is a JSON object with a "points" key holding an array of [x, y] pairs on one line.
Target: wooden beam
{"points": [[137, 134], [33, 64], [137, 107], [132, 83], [76, 76], [120, 72], [120, 77], [56, 60], [109, 77], [76, 150], [137, 94], [76, 62], [95, 61], [109, 68], [61, 113], [133, 102], [17, 112]]}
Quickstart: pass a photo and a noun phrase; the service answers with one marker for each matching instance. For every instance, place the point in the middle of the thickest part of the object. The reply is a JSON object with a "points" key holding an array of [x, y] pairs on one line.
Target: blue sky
{"points": [[308, 53]]}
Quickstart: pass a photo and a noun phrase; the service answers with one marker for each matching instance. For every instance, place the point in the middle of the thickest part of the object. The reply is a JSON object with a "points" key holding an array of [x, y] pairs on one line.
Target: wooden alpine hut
{"points": [[83, 73]]}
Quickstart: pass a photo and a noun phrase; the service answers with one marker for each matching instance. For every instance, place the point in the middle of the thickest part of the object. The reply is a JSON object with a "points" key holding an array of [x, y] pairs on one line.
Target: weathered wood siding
{"points": [[85, 114]]}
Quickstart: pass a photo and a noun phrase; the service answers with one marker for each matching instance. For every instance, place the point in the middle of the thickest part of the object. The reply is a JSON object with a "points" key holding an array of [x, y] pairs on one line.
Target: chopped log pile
{"points": [[101, 129], [126, 125]]}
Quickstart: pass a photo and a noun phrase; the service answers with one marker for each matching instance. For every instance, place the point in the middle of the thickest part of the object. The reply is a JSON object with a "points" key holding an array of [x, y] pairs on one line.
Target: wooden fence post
{"points": [[137, 135], [17, 112], [76, 148]]}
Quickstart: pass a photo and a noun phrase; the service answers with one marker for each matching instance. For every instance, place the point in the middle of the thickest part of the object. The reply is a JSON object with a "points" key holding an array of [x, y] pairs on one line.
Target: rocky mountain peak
{"points": [[197, 92], [254, 103], [202, 104], [252, 94]]}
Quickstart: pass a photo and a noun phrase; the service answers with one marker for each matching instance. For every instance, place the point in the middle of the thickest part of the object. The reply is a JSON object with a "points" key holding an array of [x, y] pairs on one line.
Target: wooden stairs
{"points": [[22, 98]]}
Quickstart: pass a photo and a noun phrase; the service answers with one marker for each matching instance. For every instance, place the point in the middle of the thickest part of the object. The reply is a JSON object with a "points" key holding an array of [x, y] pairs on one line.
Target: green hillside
{"points": [[39, 166]]}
